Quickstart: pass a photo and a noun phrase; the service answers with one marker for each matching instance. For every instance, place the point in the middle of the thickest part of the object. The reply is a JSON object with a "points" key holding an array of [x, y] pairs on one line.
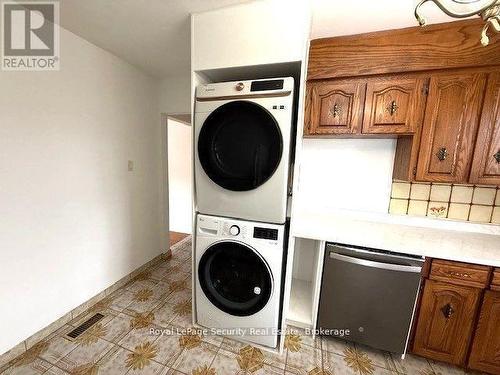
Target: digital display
{"points": [[275, 84]]}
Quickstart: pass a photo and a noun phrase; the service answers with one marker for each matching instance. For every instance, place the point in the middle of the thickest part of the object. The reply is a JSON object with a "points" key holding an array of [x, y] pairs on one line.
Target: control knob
{"points": [[234, 230]]}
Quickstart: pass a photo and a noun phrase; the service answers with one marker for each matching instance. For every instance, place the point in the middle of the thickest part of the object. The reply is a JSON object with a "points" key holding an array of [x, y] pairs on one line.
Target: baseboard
{"points": [[24, 345]]}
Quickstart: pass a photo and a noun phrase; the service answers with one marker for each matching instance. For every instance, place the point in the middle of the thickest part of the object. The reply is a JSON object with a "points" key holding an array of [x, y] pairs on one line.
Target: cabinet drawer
{"points": [[495, 282], [460, 273]]}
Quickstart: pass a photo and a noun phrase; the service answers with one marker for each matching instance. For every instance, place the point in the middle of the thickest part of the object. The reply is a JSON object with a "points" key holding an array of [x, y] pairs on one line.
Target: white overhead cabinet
{"points": [[254, 33]]}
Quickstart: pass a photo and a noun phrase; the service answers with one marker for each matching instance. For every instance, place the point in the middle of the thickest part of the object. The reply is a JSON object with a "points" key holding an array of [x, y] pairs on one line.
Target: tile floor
{"points": [[160, 298]]}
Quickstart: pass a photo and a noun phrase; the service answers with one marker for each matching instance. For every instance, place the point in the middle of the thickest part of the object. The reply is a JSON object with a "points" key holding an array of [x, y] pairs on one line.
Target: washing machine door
{"points": [[235, 278], [240, 145]]}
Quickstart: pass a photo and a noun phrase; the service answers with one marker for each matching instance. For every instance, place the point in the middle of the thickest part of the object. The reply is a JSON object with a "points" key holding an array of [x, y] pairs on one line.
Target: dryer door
{"points": [[240, 145], [235, 278]]}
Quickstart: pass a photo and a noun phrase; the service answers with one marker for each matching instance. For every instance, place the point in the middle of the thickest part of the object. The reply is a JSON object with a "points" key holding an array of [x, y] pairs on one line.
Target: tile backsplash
{"points": [[480, 204]]}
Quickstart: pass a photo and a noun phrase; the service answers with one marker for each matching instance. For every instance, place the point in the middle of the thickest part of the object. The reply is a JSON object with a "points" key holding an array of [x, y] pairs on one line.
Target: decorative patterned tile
{"points": [[398, 206], [437, 210], [84, 355], [461, 194], [305, 338], [484, 196], [34, 367], [335, 364], [481, 214], [400, 190], [334, 345], [226, 363], [420, 191], [114, 362], [378, 358], [302, 359], [168, 346], [440, 193], [195, 357], [58, 348], [138, 336], [442, 368], [412, 365]]}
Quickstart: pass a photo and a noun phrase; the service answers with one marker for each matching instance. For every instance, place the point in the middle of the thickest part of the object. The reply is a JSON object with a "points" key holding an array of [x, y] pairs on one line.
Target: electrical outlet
{"points": [[130, 165]]}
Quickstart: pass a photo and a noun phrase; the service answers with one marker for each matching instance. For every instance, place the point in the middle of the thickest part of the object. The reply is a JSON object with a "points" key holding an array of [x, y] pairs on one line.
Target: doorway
{"points": [[179, 177]]}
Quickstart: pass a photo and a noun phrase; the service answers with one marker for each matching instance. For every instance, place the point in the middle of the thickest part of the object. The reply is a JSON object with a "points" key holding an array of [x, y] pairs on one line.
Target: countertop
{"points": [[436, 238]]}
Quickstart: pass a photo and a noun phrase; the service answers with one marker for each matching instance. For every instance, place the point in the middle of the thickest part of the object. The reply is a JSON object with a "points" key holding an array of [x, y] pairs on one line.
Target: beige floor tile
{"points": [[400, 190], [164, 314], [446, 369], [335, 364], [55, 371], [303, 359], [440, 193], [114, 362], [138, 285], [192, 358], [420, 191], [232, 345], [480, 214], [142, 306], [398, 206], [138, 336], [153, 368], [306, 339], [462, 194], [117, 328], [37, 366], [179, 296], [334, 345], [168, 346], [226, 363], [58, 348], [412, 365], [379, 358], [84, 355]]}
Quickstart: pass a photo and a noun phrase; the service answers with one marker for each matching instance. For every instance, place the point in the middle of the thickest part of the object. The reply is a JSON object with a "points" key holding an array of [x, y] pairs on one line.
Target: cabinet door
{"points": [[394, 105], [336, 108], [485, 354], [486, 163], [450, 127], [445, 322]]}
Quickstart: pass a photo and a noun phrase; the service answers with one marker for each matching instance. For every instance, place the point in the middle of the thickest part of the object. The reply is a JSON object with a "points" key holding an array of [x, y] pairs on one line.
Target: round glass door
{"points": [[240, 145], [234, 278]]}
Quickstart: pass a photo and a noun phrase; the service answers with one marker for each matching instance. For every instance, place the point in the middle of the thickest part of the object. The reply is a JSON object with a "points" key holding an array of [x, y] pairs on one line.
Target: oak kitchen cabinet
{"points": [[335, 107], [439, 99], [455, 324], [485, 353], [486, 162], [383, 105], [450, 127]]}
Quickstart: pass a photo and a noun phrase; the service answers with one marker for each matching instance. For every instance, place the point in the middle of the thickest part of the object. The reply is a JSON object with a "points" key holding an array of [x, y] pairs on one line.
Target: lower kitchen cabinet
{"points": [[485, 353], [446, 321]]}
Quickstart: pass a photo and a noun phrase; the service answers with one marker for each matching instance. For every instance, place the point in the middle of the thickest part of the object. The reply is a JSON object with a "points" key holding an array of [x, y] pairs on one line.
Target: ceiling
{"points": [[154, 35]]}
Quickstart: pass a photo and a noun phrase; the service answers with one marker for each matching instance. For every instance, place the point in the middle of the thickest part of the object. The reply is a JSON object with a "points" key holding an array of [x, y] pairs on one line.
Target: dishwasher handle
{"points": [[374, 264]]}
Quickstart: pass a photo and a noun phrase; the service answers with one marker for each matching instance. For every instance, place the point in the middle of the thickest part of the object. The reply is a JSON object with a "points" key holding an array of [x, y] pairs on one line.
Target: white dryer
{"points": [[242, 147], [238, 278]]}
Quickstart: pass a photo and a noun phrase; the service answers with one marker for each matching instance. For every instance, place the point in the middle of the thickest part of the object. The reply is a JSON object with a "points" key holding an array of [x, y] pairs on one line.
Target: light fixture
{"points": [[488, 10]]}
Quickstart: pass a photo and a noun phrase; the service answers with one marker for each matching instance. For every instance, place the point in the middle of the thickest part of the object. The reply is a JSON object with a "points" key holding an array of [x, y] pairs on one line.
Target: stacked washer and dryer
{"points": [[242, 144]]}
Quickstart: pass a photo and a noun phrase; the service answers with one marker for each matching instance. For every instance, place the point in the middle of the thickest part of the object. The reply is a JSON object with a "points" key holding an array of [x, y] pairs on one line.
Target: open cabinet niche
{"points": [[306, 283]]}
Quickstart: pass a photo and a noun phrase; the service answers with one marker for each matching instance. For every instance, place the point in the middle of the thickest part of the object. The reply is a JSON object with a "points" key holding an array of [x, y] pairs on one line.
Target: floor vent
{"points": [[85, 326]]}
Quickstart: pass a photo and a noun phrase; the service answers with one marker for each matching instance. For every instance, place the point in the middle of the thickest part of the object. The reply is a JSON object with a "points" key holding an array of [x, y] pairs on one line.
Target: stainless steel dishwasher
{"points": [[371, 293]]}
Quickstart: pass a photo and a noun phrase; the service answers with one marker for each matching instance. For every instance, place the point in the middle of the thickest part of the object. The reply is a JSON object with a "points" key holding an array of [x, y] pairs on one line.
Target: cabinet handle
{"points": [[393, 107], [442, 153], [497, 156], [462, 275], [447, 311], [335, 111]]}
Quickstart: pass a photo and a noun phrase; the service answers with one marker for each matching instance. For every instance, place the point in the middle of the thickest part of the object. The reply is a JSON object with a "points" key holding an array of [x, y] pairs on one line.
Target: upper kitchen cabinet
{"points": [[486, 162], [394, 105], [334, 108], [450, 127]]}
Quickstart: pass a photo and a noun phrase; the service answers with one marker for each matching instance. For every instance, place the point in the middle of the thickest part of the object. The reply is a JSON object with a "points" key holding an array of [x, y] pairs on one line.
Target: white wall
{"points": [[180, 170], [73, 220], [351, 174], [333, 18], [174, 94]]}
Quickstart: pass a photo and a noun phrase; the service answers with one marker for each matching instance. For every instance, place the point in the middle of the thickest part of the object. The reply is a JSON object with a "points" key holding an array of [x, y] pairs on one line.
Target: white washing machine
{"points": [[239, 272], [242, 148]]}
